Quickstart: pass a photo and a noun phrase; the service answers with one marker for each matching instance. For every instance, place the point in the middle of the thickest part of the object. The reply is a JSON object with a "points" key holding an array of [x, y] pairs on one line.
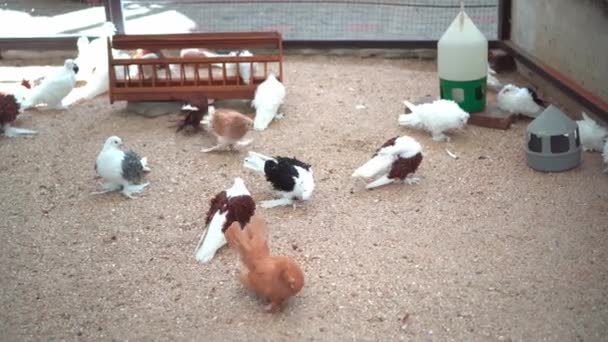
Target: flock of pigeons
{"points": [[397, 160]]}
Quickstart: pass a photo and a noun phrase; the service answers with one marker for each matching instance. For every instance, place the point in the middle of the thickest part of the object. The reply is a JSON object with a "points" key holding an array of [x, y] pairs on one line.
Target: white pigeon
{"points": [[605, 155], [53, 87], [246, 69], [291, 178], [492, 81], [269, 96], [517, 100], [234, 204], [436, 117], [396, 160], [121, 168], [93, 54], [592, 135]]}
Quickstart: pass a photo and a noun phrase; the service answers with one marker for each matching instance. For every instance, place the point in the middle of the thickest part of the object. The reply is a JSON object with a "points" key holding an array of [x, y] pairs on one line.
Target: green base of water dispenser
{"points": [[470, 95]]}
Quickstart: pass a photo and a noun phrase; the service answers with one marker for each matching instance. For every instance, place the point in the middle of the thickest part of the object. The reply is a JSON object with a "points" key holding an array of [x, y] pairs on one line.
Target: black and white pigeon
{"points": [[397, 159], [516, 100], [291, 178], [121, 168], [226, 207]]}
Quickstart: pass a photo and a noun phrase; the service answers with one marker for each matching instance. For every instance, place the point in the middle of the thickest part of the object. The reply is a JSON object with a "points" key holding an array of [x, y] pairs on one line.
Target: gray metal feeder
{"points": [[553, 142]]}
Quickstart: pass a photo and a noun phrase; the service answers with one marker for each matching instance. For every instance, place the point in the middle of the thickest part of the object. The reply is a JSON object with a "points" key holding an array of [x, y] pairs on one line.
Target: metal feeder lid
{"points": [[552, 121]]}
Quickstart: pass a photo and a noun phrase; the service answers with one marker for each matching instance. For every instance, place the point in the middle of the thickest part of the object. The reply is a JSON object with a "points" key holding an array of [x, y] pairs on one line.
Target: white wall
{"points": [[568, 35]]}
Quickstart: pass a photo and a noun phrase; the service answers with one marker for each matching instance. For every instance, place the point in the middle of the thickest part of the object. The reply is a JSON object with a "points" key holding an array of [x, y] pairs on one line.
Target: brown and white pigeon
{"points": [[121, 168], [397, 159], [232, 205], [9, 110], [229, 126]]}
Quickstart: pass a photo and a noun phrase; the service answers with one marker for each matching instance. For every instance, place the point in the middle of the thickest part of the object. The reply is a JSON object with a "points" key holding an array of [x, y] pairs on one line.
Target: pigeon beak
{"points": [[75, 68]]}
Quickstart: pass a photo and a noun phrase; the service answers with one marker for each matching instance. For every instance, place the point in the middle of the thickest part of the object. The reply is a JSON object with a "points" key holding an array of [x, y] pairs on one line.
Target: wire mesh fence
{"points": [[312, 20]]}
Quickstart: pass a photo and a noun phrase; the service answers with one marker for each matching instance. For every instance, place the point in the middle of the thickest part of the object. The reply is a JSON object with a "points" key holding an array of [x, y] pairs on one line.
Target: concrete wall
{"points": [[569, 35]]}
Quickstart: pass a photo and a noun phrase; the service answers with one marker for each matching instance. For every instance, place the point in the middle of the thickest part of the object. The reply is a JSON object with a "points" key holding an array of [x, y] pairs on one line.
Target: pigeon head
{"points": [[113, 142], [71, 65]]}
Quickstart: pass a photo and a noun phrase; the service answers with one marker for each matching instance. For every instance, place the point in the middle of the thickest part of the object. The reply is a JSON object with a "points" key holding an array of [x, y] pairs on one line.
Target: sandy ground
{"points": [[483, 249]]}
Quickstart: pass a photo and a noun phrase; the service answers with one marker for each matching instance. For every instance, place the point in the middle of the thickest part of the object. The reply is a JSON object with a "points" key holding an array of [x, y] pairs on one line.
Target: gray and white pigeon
{"points": [[121, 168], [53, 88]]}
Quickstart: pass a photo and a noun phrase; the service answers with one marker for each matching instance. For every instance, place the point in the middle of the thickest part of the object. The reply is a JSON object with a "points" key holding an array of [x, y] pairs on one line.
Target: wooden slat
{"points": [[201, 60], [222, 40]]}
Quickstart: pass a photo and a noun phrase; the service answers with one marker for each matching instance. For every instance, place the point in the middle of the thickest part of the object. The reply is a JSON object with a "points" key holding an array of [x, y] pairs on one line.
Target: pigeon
{"points": [[229, 126], [592, 135], [232, 205], [291, 178], [94, 54], [245, 69], [195, 110], [517, 100], [436, 117], [9, 110], [605, 155], [397, 159], [492, 81], [53, 88], [121, 168], [269, 96]]}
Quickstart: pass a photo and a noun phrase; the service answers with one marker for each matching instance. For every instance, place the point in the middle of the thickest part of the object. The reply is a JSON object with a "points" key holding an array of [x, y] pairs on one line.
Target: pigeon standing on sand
{"points": [[53, 88], [228, 206], [269, 96], [397, 159], [522, 101], [436, 117], [9, 110], [121, 168], [291, 178], [229, 126]]}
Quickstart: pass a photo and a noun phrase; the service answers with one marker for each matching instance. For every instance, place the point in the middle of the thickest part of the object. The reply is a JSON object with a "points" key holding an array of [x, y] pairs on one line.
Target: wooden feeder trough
{"points": [[177, 78]]}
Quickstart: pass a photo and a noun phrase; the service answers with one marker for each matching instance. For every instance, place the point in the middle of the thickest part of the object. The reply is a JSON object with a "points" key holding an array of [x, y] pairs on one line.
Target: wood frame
{"points": [[183, 88]]}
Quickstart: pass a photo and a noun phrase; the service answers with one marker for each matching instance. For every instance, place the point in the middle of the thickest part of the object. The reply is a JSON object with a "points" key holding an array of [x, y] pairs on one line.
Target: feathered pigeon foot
{"points": [[411, 179], [131, 189], [384, 180], [107, 187], [280, 116], [243, 143], [440, 137], [276, 203], [144, 164], [216, 147], [12, 132], [272, 307]]}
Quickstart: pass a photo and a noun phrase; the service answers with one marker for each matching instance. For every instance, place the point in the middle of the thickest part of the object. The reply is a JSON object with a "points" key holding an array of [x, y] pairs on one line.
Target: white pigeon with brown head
{"points": [[397, 159], [234, 204]]}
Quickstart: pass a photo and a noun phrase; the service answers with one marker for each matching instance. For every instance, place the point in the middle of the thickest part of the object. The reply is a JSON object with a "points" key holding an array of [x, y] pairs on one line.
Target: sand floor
{"points": [[483, 249]]}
